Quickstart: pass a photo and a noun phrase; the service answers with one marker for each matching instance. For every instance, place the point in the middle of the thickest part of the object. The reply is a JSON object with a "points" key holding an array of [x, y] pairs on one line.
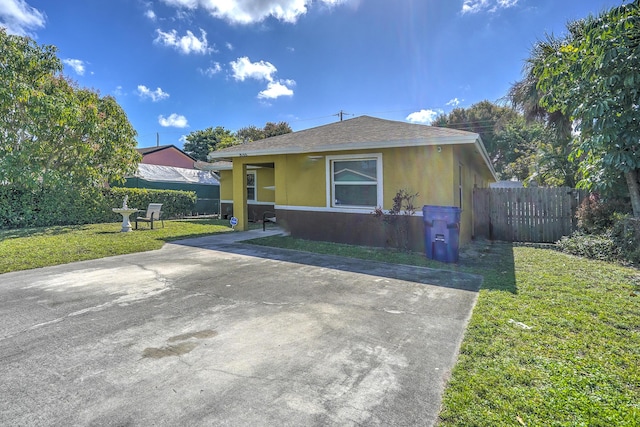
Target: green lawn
{"points": [[554, 340], [40, 247]]}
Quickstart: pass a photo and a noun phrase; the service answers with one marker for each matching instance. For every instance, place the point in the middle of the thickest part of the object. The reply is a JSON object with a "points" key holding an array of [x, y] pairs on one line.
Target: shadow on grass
{"points": [[493, 261], [16, 233]]}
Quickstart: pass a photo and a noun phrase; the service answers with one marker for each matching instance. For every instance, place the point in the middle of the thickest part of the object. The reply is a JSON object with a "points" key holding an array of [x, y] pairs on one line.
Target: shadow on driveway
{"points": [[424, 275]]}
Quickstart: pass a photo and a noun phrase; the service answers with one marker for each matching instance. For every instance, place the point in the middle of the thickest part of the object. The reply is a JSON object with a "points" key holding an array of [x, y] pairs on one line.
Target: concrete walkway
{"points": [[212, 331]]}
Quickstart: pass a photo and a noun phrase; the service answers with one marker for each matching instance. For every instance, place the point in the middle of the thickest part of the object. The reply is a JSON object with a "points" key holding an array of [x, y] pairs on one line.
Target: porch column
{"points": [[240, 194]]}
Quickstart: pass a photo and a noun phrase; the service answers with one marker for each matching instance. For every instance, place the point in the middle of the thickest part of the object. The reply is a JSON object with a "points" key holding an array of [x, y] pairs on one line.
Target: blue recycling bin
{"points": [[441, 232]]}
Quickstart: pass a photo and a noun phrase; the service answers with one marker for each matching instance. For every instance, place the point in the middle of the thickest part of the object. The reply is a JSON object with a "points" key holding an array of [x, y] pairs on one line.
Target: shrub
{"points": [[16, 206], [22, 207], [397, 218], [626, 236], [596, 215], [594, 246], [175, 204], [620, 242]]}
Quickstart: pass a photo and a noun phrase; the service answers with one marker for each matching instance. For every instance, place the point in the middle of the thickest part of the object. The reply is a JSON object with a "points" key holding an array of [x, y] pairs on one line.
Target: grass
{"points": [[23, 249], [554, 340]]}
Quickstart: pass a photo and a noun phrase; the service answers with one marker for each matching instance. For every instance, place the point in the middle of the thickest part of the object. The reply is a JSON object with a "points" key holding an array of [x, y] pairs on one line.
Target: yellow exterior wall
{"points": [[265, 177], [430, 171], [422, 170], [474, 173], [303, 176], [300, 180], [226, 185]]}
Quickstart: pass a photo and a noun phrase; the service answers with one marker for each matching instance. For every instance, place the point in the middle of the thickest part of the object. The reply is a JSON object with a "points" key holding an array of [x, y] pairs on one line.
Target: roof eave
{"points": [[485, 156], [471, 138]]}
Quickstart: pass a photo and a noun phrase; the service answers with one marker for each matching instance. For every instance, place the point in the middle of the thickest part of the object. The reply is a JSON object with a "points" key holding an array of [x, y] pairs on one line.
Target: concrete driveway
{"points": [[214, 332]]}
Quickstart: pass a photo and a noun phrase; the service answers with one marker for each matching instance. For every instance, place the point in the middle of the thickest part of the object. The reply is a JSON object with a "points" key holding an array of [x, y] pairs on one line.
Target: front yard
{"points": [[22, 249], [554, 340]]}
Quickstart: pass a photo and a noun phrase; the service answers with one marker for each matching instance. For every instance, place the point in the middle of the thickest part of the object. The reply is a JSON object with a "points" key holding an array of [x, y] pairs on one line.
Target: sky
{"points": [[178, 66]]}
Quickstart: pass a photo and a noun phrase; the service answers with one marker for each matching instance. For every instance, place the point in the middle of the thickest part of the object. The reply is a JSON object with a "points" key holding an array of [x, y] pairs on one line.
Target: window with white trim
{"points": [[356, 181], [251, 185]]}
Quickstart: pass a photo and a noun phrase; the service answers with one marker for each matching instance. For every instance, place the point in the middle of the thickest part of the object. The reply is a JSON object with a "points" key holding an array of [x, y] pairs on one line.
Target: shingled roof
{"points": [[359, 133], [148, 150]]}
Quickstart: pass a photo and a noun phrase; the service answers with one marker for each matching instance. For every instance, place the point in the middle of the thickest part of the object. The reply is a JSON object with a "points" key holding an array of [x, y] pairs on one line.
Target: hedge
{"points": [[175, 203], [20, 207]]}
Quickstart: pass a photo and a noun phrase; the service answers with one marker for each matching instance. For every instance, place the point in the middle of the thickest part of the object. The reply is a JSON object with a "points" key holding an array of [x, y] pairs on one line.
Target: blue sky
{"points": [[177, 66]]}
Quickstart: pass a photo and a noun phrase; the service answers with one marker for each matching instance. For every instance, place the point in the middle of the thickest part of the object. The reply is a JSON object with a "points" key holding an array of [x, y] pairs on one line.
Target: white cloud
{"points": [[174, 120], [150, 14], [118, 91], [211, 71], [229, 46], [243, 69], [186, 44], [475, 6], [277, 89], [454, 102], [507, 3], [252, 11], [187, 4], [76, 64], [154, 95], [423, 116], [19, 18]]}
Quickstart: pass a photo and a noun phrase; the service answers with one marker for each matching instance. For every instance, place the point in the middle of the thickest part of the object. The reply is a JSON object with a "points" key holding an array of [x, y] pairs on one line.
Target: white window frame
{"points": [[348, 157], [255, 186]]}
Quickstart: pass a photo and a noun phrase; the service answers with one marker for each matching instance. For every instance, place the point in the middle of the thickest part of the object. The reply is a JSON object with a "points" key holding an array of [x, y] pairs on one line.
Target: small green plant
{"points": [[397, 218]]}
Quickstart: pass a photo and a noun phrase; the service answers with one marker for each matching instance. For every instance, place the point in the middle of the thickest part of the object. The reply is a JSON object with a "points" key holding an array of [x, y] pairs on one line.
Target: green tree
{"points": [[254, 133], [275, 129], [525, 96], [53, 133], [201, 142], [250, 133], [521, 142], [486, 119], [594, 78]]}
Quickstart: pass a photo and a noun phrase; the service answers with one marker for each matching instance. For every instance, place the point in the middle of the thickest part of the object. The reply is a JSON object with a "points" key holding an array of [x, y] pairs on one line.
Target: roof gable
{"points": [[148, 150]]}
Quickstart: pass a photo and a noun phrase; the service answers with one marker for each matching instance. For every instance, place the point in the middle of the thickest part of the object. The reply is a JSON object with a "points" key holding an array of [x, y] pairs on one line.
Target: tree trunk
{"points": [[634, 190]]}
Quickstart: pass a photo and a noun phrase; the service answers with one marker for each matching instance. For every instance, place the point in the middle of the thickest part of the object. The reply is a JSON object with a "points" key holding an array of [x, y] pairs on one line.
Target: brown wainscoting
{"points": [[226, 210], [351, 228], [255, 211]]}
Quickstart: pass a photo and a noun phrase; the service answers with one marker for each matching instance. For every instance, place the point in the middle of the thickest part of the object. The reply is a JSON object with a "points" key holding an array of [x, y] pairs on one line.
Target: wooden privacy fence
{"points": [[538, 215]]}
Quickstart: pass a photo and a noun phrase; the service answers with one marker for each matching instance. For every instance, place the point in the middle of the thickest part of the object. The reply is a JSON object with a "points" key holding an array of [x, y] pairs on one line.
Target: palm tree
{"points": [[525, 96]]}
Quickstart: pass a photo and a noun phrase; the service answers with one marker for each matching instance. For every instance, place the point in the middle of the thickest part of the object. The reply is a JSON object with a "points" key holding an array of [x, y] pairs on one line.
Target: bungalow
{"points": [[324, 183]]}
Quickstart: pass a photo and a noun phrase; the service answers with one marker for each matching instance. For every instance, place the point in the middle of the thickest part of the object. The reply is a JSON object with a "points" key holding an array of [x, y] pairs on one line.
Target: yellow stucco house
{"points": [[324, 183]]}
